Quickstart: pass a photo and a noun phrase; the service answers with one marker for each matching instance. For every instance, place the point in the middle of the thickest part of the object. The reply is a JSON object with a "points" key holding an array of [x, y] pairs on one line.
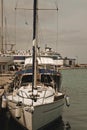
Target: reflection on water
{"points": [[58, 125], [8, 123]]}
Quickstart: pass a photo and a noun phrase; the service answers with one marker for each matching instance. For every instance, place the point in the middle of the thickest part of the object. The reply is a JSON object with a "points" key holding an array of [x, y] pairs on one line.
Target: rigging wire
{"points": [[26, 22], [5, 34], [6, 39], [40, 33], [15, 21], [56, 4]]}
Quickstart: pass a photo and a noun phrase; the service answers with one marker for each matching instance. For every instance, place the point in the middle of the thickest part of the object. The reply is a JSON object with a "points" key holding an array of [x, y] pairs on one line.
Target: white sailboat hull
{"points": [[40, 116]]}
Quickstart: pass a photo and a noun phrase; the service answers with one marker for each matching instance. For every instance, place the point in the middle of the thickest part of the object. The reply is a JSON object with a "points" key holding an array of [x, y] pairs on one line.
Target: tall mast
{"points": [[5, 34], [2, 26], [34, 61]]}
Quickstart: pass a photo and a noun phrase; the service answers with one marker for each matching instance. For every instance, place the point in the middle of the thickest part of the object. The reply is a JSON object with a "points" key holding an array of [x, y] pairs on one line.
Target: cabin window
{"points": [[26, 79], [46, 78]]}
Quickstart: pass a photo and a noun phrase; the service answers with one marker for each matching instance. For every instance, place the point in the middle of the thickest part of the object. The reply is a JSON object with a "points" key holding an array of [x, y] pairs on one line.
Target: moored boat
{"points": [[36, 99]]}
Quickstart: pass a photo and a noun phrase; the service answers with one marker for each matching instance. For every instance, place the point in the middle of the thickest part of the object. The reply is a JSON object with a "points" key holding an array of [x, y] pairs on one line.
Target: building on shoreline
{"points": [[69, 62], [5, 61]]}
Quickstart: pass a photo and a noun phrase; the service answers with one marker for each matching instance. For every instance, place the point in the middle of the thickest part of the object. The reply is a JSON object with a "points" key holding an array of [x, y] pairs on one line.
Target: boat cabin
{"points": [[45, 77]]}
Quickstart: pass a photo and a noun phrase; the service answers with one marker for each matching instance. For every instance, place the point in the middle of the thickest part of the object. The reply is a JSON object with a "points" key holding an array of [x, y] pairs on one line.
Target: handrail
{"points": [[22, 94]]}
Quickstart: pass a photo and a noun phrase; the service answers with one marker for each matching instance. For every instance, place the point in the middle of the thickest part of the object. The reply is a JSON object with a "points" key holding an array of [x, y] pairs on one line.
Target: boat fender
{"points": [[18, 110], [67, 99], [4, 102]]}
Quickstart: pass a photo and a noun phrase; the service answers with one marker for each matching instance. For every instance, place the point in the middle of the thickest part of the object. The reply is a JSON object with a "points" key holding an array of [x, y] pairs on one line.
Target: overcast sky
{"points": [[72, 28]]}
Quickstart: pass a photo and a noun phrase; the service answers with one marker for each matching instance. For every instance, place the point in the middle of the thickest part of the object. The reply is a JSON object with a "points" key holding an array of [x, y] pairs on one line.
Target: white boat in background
{"points": [[46, 57], [36, 99]]}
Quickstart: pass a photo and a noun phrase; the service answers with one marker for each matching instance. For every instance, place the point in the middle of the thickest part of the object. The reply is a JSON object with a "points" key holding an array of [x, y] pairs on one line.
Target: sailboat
{"points": [[36, 99]]}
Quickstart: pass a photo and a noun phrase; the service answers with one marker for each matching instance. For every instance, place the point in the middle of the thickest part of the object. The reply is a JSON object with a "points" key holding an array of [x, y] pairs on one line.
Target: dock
{"points": [[5, 80]]}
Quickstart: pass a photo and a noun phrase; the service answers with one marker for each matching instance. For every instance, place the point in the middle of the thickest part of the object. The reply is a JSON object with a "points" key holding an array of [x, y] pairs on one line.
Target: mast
{"points": [[5, 35], [2, 26], [34, 61]]}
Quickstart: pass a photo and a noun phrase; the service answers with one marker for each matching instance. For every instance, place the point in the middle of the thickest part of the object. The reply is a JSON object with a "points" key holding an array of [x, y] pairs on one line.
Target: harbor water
{"points": [[74, 117]]}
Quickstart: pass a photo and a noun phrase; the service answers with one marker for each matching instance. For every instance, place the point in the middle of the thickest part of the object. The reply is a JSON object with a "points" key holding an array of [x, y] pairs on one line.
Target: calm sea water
{"points": [[74, 117]]}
